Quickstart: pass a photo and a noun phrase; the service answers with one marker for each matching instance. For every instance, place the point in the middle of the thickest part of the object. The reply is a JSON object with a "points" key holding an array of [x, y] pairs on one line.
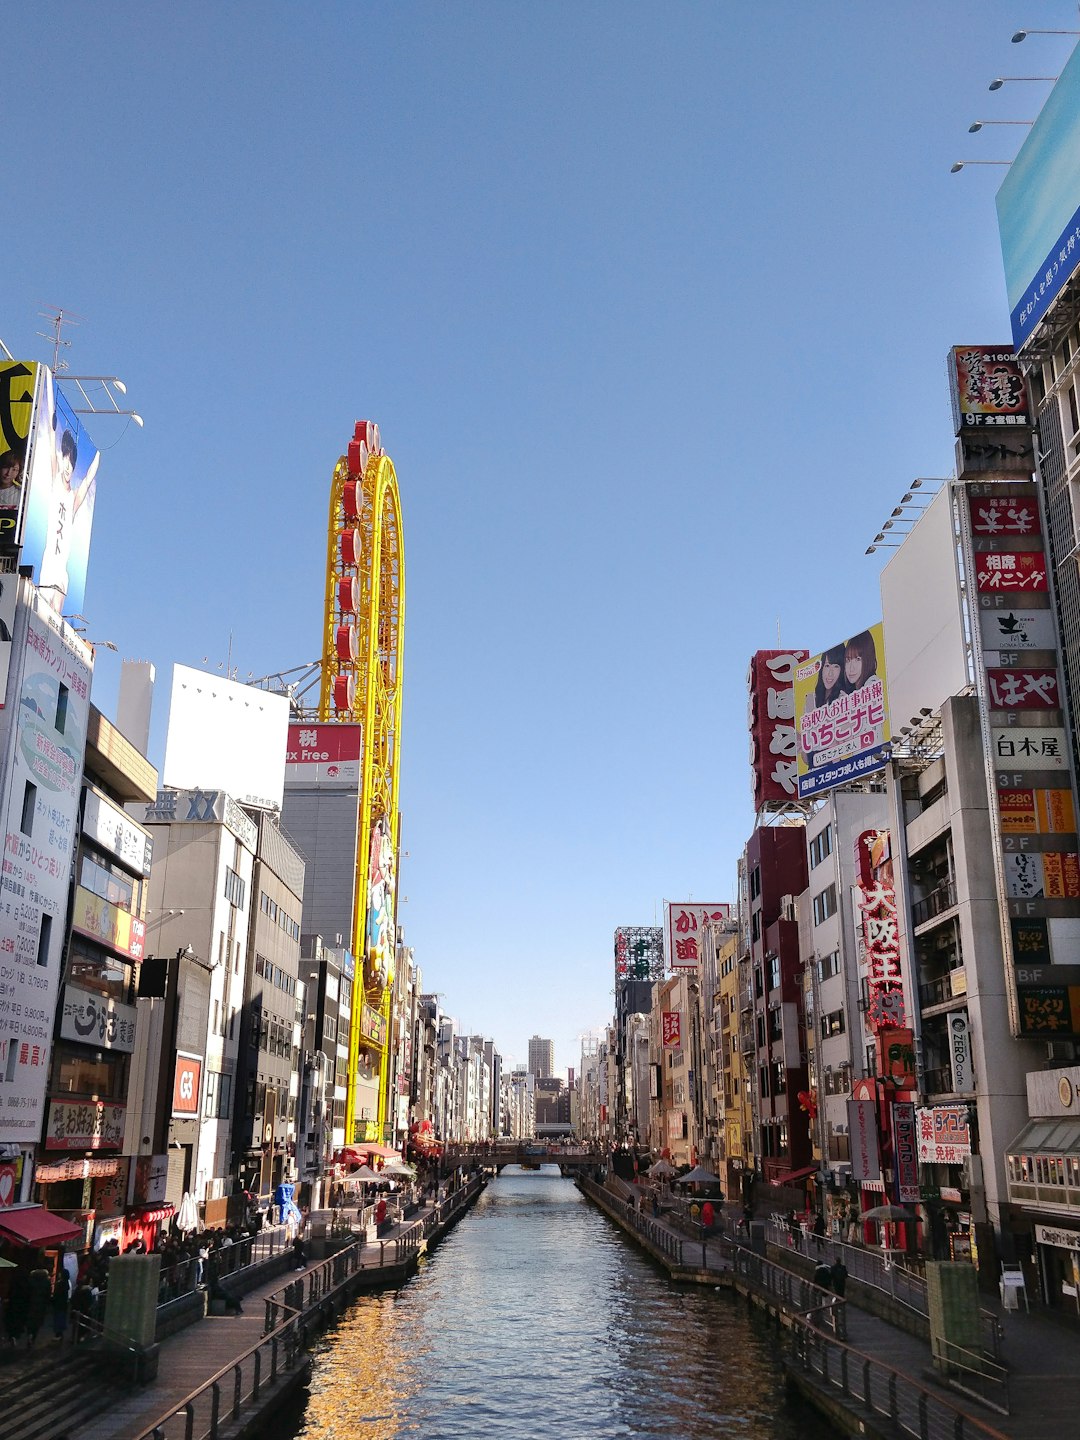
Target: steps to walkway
{"points": [[63, 1387]]}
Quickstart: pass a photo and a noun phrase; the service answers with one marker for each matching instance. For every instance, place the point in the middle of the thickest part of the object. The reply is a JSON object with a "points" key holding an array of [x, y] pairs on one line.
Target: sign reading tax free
{"points": [[324, 753]]}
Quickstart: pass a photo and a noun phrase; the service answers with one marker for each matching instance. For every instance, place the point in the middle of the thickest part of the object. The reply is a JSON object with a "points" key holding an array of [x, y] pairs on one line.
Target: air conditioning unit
{"points": [[1061, 1051], [788, 908]]}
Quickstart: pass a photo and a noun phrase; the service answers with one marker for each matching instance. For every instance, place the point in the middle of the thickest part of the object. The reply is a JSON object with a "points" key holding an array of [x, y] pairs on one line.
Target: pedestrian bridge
{"points": [[529, 1154]]}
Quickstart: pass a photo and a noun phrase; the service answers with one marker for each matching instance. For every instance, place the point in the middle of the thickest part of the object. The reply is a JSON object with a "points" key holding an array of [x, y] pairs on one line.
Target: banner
{"points": [[108, 924], [841, 705], [672, 1023], [863, 1135], [772, 726], [944, 1134], [905, 1152], [323, 753]]}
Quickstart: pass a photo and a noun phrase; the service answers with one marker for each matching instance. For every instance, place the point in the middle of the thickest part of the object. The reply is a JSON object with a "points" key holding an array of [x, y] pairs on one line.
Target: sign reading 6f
{"points": [[186, 1080]]}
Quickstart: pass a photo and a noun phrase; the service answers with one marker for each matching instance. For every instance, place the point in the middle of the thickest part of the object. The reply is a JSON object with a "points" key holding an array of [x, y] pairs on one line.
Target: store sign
{"points": [[905, 1152], [684, 929], [944, 1134], [187, 1078], [876, 901], [987, 388], [373, 1026], [108, 924], [863, 1135], [1029, 748], [1056, 1236], [896, 1057], [1011, 572], [202, 807], [116, 832], [84, 1125], [963, 1071], [323, 753], [97, 1020], [773, 738], [672, 1025], [1015, 627]]}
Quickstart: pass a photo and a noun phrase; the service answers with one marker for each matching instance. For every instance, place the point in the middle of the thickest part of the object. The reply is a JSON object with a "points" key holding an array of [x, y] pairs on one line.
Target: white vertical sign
{"points": [[863, 1135]]}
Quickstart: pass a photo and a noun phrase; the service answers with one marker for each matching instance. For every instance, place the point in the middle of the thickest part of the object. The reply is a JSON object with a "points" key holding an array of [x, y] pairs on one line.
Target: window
{"points": [[825, 905], [105, 879], [829, 965], [779, 1078], [755, 926], [755, 882], [98, 971], [820, 847], [62, 706], [44, 939], [28, 803], [234, 888], [763, 1081], [92, 1074], [773, 962], [832, 1024], [776, 1023]]}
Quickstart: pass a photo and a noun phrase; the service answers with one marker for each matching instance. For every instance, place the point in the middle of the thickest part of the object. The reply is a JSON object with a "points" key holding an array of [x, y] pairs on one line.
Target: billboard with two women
{"points": [[842, 713]]}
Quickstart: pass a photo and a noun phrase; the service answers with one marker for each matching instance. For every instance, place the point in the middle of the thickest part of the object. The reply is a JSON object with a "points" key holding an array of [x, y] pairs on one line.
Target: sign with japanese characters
{"points": [[1024, 747], [108, 924], [987, 388], [1011, 572], [1036, 812], [639, 952], [905, 1152], [863, 1134], [84, 1125], [1026, 688], [944, 1134], [18, 381], [1015, 628], [42, 801], [108, 826], [684, 926], [876, 900], [187, 1080], [842, 713], [97, 1020], [1003, 512], [202, 807], [326, 752], [1050, 1011], [772, 726], [672, 1026]]}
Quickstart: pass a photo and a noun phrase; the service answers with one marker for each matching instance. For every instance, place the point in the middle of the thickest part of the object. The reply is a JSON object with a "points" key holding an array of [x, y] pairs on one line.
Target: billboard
{"points": [[323, 753], [59, 505], [987, 388], [944, 1134], [863, 1134], [1038, 207], [187, 1078], [672, 1028], [842, 710], [226, 736], [684, 922], [18, 379], [42, 785], [639, 952], [772, 726], [382, 896]]}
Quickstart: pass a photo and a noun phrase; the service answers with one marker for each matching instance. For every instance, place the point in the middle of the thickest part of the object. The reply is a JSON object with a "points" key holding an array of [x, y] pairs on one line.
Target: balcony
{"points": [[950, 986], [940, 899]]}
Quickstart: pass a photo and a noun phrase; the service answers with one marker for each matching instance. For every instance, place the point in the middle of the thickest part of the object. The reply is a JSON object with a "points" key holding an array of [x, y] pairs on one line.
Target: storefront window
{"points": [[99, 971], [92, 1073], [104, 878]]}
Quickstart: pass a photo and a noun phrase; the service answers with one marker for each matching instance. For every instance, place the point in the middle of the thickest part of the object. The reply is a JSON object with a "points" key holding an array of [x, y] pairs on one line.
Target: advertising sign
{"points": [[1010, 570], [1050, 1011], [991, 453], [373, 1026], [944, 1134], [639, 952], [1003, 512], [684, 925], [1038, 207], [97, 1020], [896, 1058], [200, 807], [187, 1079], [226, 736], [84, 1125], [905, 1152], [324, 753], [382, 885], [963, 1070], [875, 897], [18, 381], [986, 387], [1015, 628], [1029, 748], [39, 828], [151, 1177], [59, 506], [108, 826], [1037, 812], [841, 705], [672, 1022], [108, 924], [772, 726], [863, 1134], [1030, 688]]}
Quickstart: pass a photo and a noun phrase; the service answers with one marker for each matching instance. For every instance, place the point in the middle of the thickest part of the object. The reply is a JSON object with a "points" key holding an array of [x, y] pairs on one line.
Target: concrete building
{"points": [[541, 1057]]}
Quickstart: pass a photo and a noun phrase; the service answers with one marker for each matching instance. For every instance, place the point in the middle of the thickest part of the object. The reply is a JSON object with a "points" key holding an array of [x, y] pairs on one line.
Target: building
{"points": [[541, 1058]]}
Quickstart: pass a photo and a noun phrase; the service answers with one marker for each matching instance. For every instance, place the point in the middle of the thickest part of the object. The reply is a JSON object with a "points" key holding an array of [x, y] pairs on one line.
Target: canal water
{"points": [[536, 1317]]}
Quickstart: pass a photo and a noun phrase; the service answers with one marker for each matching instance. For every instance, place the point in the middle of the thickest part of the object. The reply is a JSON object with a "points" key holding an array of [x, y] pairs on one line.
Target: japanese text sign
{"points": [[987, 387], [684, 925], [772, 726], [842, 713], [672, 1025], [944, 1134]]}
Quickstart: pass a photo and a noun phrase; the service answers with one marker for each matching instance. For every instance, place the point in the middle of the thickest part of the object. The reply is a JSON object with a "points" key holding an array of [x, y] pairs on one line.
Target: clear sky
{"points": [[651, 303]]}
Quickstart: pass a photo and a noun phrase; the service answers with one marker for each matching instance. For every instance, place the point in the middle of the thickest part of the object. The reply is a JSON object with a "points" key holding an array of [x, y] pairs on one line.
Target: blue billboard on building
{"points": [[1039, 208]]}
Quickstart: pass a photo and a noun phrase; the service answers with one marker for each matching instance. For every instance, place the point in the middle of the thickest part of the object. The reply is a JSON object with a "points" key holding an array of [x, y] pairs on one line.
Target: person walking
{"points": [[61, 1297], [38, 1301], [839, 1277], [819, 1231]]}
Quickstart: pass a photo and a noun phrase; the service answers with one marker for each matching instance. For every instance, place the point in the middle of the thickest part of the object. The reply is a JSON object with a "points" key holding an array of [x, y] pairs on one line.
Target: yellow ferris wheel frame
{"points": [[361, 682]]}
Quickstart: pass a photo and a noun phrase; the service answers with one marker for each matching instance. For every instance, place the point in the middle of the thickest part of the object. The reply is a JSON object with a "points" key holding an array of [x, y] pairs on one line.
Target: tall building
{"points": [[541, 1058]]}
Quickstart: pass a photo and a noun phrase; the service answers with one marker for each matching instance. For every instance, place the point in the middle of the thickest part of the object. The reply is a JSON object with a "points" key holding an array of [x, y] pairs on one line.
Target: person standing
{"points": [[38, 1300], [61, 1297], [819, 1231]]}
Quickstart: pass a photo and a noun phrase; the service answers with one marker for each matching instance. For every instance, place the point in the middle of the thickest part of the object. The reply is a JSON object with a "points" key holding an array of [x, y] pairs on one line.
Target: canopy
{"points": [[364, 1173], [699, 1176], [799, 1174], [662, 1167], [398, 1167], [36, 1226]]}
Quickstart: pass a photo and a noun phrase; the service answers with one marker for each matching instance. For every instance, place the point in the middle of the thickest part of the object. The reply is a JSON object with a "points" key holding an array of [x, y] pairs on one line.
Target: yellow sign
{"points": [[842, 713]]}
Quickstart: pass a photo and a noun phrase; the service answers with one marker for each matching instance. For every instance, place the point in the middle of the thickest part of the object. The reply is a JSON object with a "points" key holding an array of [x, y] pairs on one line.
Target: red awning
{"points": [[36, 1226], [794, 1175]]}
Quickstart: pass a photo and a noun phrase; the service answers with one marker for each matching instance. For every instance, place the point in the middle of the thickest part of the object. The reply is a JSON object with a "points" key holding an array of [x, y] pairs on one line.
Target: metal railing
{"points": [[940, 899]]}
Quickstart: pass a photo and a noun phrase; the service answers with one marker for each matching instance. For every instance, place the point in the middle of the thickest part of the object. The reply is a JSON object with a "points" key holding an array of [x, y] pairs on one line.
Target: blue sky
{"points": [[651, 304]]}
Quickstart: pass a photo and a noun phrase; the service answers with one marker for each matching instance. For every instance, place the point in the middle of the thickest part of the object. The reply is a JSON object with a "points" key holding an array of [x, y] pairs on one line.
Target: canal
{"points": [[536, 1317]]}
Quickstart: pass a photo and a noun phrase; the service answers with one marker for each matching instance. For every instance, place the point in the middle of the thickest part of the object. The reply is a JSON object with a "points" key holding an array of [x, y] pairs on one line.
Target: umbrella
{"points": [[699, 1176], [662, 1167], [887, 1212], [187, 1217], [364, 1173], [398, 1167]]}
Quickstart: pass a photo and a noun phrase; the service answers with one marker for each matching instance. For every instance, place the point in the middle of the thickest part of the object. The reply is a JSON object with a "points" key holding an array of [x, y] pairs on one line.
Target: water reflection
{"points": [[536, 1318]]}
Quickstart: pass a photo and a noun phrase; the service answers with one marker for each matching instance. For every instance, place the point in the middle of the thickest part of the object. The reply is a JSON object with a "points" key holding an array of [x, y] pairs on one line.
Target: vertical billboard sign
{"points": [[876, 899], [905, 1152], [381, 892], [772, 726], [1038, 207], [684, 926], [324, 752], [842, 713], [18, 379], [987, 389], [639, 952], [59, 506], [862, 1131], [672, 1023], [1034, 814], [44, 781]]}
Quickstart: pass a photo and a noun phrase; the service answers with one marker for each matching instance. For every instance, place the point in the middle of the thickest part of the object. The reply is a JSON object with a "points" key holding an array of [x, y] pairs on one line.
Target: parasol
{"points": [[662, 1167], [364, 1173], [892, 1213], [187, 1217], [699, 1176], [398, 1167]]}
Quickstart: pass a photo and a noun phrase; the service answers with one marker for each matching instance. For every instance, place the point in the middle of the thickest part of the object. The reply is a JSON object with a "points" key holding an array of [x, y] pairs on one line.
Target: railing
{"points": [[936, 903]]}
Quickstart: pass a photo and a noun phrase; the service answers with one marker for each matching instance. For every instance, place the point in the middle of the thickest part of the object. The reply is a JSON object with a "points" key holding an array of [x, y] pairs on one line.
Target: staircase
{"points": [[46, 1393]]}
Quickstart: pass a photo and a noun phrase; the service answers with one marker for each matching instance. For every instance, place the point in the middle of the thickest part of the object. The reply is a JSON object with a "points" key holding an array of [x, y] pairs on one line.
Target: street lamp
{"points": [[1009, 79], [1023, 34], [959, 164], [977, 125]]}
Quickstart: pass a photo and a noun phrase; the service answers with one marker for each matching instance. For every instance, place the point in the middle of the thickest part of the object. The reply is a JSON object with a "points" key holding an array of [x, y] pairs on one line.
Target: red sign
{"points": [[1023, 689], [772, 725], [896, 1058], [187, 1078], [1011, 570], [1005, 514], [323, 752], [987, 387], [672, 1021], [876, 900]]}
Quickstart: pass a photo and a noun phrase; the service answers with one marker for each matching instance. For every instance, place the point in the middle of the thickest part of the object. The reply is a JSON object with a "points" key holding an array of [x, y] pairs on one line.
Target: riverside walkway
{"points": [[873, 1376]]}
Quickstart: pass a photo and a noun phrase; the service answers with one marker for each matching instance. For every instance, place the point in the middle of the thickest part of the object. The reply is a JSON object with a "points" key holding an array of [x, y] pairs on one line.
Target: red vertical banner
{"points": [[772, 726]]}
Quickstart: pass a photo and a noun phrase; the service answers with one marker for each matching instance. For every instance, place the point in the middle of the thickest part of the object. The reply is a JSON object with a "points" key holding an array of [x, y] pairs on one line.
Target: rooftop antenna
{"points": [[57, 319]]}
